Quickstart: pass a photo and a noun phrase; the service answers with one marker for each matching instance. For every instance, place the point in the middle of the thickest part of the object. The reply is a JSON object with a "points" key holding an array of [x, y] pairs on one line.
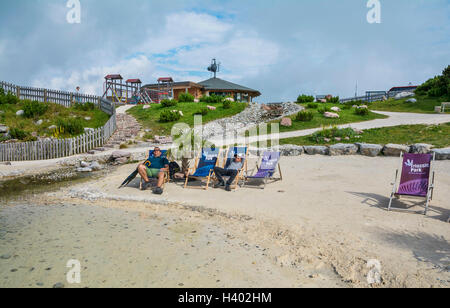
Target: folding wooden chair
{"points": [[243, 152], [204, 167], [266, 170]]}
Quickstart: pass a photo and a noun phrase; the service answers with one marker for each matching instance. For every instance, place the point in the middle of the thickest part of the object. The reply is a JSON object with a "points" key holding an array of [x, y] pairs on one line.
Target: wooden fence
{"points": [[57, 148]]}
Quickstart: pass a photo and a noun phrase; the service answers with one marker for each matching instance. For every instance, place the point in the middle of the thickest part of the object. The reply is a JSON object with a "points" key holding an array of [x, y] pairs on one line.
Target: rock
{"points": [[327, 140], [84, 170], [371, 150], [343, 149], [34, 134], [146, 107], [39, 123], [163, 140], [211, 108], [442, 154], [20, 113], [291, 150], [363, 107], [139, 156], [196, 100], [53, 127], [88, 118], [337, 138], [230, 99], [412, 100], [120, 154], [4, 129], [404, 95], [181, 113], [322, 100], [121, 161], [58, 285], [314, 150], [420, 148], [331, 115], [395, 149], [286, 122], [84, 164], [95, 166], [358, 131], [5, 257], [148, 130], [336, 109]]}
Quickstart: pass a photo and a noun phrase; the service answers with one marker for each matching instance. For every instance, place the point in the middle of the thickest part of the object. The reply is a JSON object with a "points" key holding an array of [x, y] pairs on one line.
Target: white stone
{"points": [[20, 113], [336, 109], [331, 115]]}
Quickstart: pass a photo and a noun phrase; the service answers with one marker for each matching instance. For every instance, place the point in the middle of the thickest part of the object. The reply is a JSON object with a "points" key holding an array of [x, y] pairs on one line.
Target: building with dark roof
{"points": [[212, 86]]}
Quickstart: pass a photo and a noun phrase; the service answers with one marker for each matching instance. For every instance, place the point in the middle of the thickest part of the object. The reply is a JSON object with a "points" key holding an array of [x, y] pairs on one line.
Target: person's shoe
{"points": [[158, 191], [220, 184], [228, 188]]}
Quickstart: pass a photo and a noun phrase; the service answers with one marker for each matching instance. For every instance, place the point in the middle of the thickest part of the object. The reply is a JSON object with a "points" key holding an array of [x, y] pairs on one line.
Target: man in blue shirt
{"points": [[154, 167]]}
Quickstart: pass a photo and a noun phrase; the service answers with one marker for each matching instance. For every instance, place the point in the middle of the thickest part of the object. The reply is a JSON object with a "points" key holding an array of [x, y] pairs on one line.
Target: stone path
{"points": [[127, 128]]}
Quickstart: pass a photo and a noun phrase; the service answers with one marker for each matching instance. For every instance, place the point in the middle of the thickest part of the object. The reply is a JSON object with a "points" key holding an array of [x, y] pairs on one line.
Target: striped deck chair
{"points": [[204, 167], [416, 179], [267, 168], [231, 152]]}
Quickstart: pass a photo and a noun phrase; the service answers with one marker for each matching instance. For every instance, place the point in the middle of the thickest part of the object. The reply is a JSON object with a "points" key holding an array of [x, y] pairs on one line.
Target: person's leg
{"points": [[219, 172], [160, 179], [232, 174], [142, 170]]}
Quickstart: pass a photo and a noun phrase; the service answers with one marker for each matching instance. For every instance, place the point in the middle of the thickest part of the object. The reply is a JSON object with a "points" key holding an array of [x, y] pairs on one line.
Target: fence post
{"points": [[18, 92]]}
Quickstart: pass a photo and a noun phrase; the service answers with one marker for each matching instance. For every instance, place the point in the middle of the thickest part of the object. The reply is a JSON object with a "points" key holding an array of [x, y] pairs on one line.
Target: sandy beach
{"points": [[320, 227]]}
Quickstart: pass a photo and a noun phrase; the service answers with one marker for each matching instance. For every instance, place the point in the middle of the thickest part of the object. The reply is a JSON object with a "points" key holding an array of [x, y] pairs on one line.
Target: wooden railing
{"points": [[57, 148]]}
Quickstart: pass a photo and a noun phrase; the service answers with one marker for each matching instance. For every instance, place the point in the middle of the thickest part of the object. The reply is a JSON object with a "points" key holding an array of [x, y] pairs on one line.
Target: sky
{"points": [[282, 48]]}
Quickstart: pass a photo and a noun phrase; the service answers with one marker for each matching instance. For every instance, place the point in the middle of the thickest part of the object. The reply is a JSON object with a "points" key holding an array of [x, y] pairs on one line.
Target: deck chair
{"points": [[231, 152], [147, 163], [416, 180], [270, 162], [204, 167]]}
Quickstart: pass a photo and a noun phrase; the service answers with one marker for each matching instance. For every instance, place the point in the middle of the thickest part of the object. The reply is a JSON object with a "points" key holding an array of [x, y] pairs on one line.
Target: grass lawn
{"points": [[437, 135], [346, 116], [423, 105], [149, 118], [9, 118]]}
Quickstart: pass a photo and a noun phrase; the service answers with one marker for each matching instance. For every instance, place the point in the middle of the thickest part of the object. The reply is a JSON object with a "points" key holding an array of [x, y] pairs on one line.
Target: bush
{"points": [[186, 98], [34, 109], [169, 116], [334, 100], [17, 133], [331, 133], [303, 99], [213, 99], [168, 103], [362, 111], [204, 111], [226, 104], [8, 98], [438, 86], [312, 105], [2, 92], [71, 126], [304, 116], [84, 107], [323, 109]]}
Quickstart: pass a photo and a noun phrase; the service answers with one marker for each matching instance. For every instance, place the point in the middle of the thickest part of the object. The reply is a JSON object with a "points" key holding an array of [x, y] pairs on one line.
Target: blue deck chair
{"points": [[269, 163], [231, 152], [147, 164], [204, 166]]}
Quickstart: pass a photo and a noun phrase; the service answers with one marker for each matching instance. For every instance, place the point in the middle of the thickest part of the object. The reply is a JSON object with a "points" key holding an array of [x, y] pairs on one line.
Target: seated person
{"points": [[158, 166], [231, 170]]}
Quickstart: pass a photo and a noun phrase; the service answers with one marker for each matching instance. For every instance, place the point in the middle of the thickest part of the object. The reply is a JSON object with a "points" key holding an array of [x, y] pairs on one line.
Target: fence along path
{"points": [[57, 148]]}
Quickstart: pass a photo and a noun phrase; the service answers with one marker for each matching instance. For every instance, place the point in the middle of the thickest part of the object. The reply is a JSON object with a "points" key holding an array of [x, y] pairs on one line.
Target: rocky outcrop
{"points": [[371, 150], [316, 150], [395, 149], [343, 149]]}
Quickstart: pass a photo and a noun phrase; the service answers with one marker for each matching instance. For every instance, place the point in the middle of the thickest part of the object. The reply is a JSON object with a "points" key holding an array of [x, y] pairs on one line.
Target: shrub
{"points": [[323, 109], [312, 105], [213, 99], [186, 98], [304, 116], [168, 103], [331, 133], [303, 99], [34, 109], [84, 107], [362, 111], [17, 133], [9, 98], [438, 86], [71, 126], [169, 116], [334, 100], [204, 111], [2, 92], [226, 104]]}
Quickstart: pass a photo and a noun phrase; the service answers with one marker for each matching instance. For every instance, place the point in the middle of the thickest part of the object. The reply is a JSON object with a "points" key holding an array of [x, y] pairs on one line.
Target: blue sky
{"points": [[281, 48]]}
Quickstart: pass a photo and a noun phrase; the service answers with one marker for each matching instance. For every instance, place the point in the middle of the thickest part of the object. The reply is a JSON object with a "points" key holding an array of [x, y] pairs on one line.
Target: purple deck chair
{"points": [[269, 164], [416, 180]]}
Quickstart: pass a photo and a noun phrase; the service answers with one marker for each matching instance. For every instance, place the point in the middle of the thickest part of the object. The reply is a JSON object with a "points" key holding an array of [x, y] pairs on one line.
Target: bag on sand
{"points": [[173, 168]]}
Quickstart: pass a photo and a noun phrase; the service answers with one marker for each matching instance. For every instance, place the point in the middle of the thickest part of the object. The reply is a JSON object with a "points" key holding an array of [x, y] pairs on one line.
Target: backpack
{"points": [[173, 168]]}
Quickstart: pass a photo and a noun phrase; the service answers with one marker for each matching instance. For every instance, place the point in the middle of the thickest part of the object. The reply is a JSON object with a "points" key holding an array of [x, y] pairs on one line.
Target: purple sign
{"points": [[415, 175]]}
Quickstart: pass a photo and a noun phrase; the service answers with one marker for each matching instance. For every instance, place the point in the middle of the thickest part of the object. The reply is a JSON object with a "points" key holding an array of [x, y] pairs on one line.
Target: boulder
{"points": [[196, 100], [95, 166], [88, 118], [420, 148], [442, 154], [53, 127], [371, 150], [230, 99], [84, 169], [291, 150], [139, 156], [120, 154], [331, 115], [4, 129], [316, 150], [84, 164], [39, 123], [286, 122], [412, 100], [20, 113], [336, 109], [343, 149], [395, 149], [146, 107], [212, 108], [403, 95]]}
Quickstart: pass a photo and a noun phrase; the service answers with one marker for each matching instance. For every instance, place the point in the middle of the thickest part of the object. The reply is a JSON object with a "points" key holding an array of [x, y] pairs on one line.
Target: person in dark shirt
{"points": [[158, 166]]}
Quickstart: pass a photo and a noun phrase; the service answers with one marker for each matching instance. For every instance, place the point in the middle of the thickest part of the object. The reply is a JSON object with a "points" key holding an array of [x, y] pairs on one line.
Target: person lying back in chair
{"points": [[231, 170], [154, 167]]}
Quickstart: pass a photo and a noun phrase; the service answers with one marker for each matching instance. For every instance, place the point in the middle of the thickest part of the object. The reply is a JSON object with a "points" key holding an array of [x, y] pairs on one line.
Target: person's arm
{"points": [[166, 166]]}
